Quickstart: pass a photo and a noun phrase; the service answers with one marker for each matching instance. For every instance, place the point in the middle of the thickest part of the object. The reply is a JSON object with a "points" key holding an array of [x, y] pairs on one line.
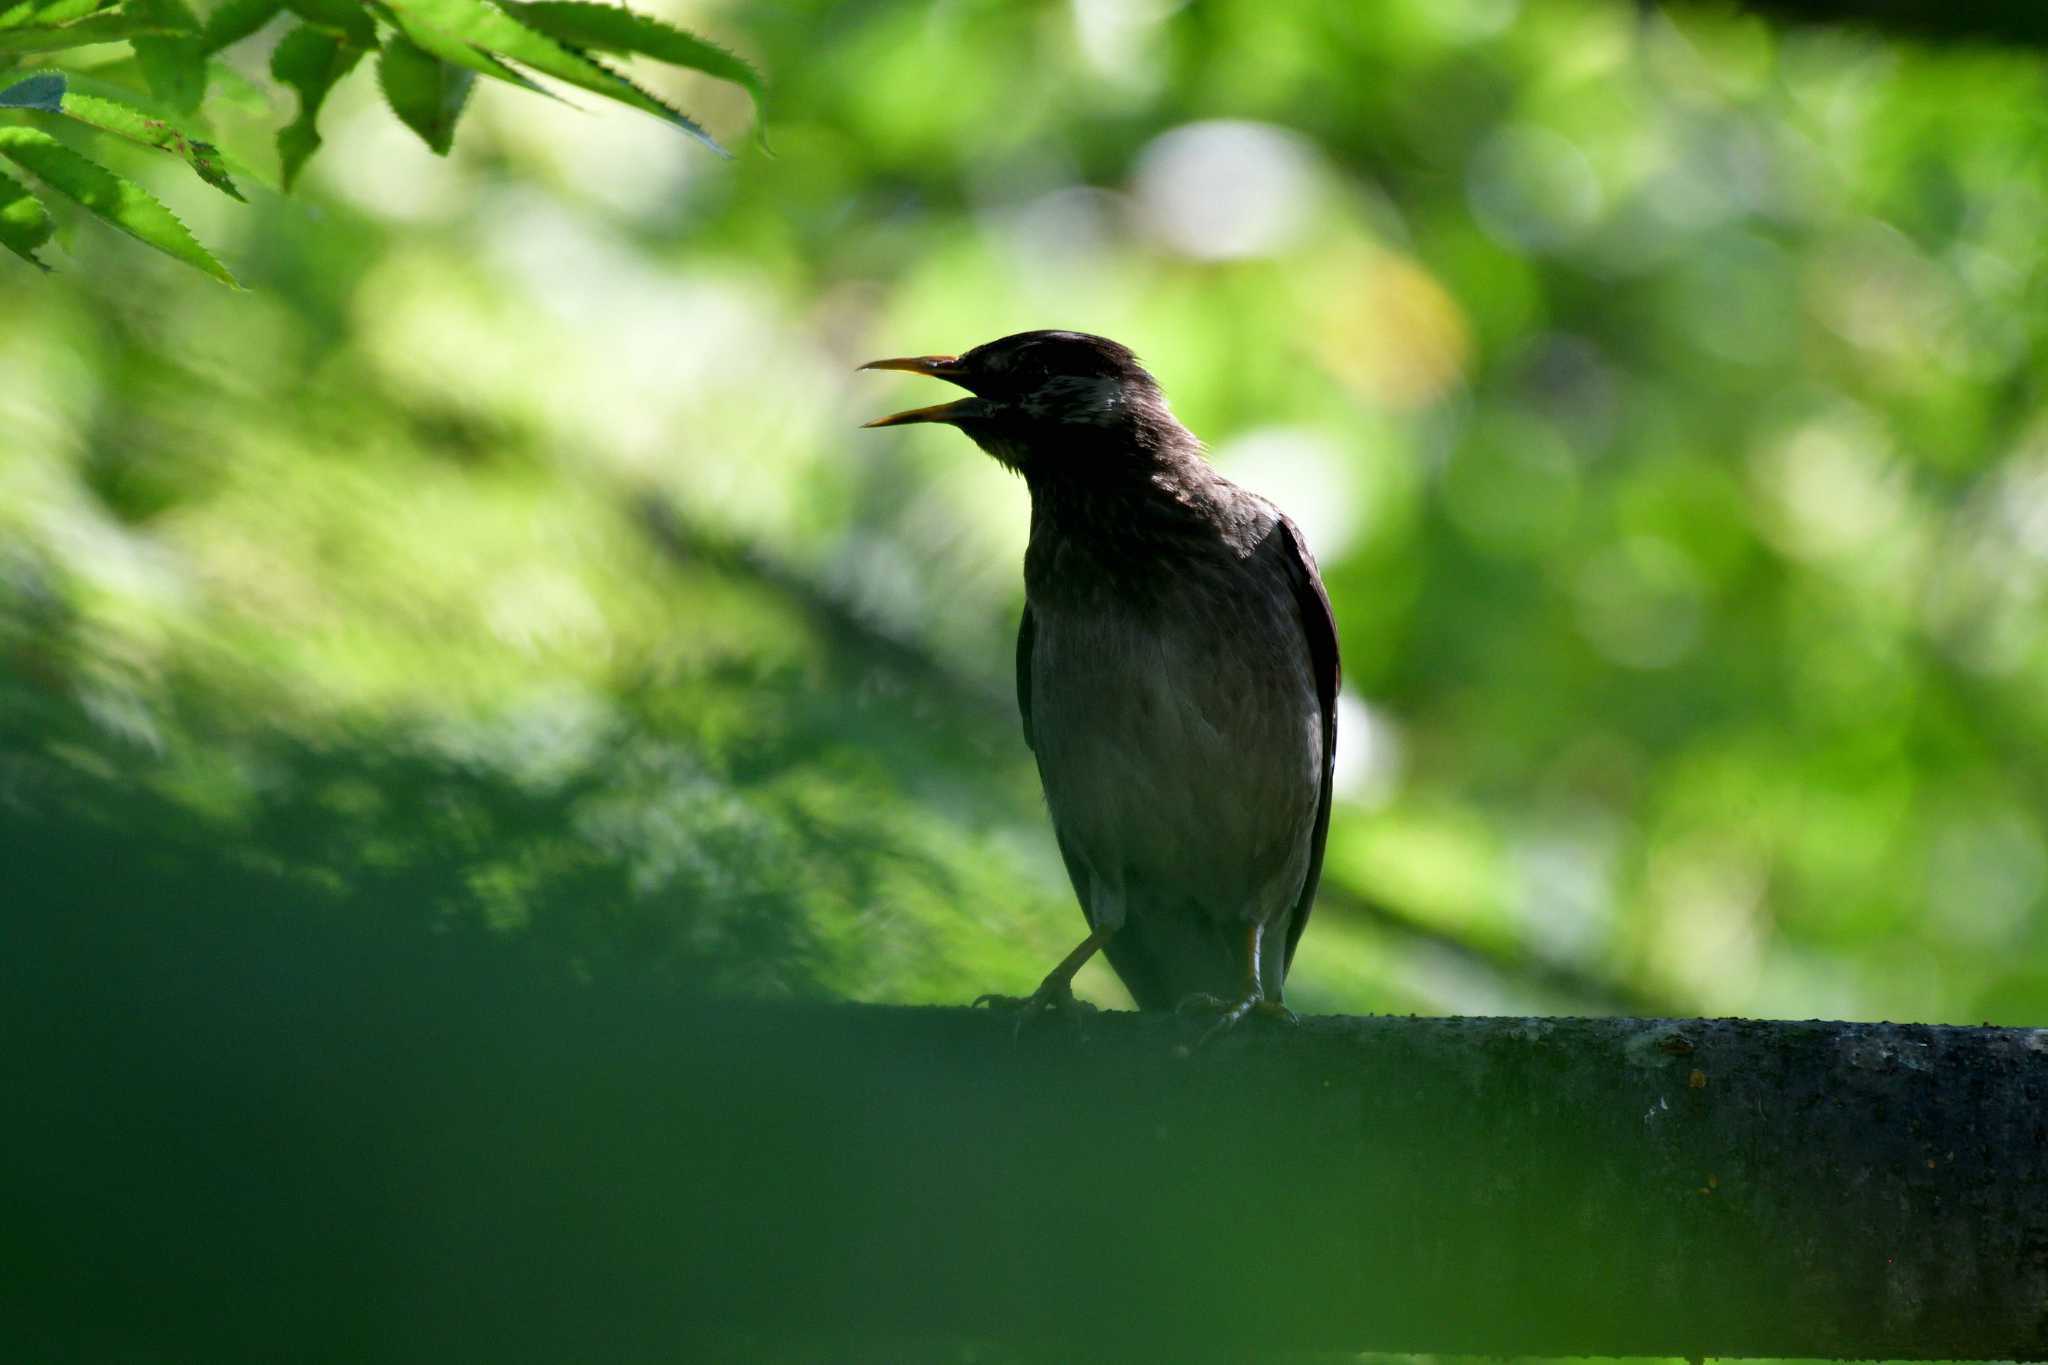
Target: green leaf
{"points": [[174, 15], [175, 67], [114, 117], [226, 88], [310, 60], [168, 18], [24, 222], [345, 17], [432, 23], [29, 13], [234, 21], [109, 26], [454, 50], [425, 92], [613, 28], [44, 90], [119, 202], [114, 111]]}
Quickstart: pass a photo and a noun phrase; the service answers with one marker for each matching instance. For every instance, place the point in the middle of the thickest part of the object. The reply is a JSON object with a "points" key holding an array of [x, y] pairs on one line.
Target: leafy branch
{"points": [[428, 54]]}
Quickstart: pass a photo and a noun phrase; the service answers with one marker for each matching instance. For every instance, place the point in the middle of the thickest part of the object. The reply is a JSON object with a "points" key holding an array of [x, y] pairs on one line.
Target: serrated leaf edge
{"points": [[218, 272]]}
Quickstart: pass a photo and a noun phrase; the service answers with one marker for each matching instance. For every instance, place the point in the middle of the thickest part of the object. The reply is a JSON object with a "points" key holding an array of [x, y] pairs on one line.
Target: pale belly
{"points": [[1181, 752]]}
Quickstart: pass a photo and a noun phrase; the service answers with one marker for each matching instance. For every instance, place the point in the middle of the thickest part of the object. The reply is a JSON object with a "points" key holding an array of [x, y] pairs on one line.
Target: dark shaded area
{"points": [[290, 1134], [2001, 21], [387, 833], [695, 826]]}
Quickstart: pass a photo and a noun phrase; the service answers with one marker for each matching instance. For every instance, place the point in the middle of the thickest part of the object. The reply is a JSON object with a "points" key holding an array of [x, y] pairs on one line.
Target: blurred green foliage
{"points": [[1662, 394]]}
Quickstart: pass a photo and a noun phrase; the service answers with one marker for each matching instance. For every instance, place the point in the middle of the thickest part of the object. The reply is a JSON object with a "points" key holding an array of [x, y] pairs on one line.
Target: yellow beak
{"points": [[938, 367]]}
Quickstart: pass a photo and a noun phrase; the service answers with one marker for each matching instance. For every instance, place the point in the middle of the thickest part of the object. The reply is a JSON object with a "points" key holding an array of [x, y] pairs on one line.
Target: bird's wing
{"points": [[1025, 630], [1320, 623], [1077, 867]]}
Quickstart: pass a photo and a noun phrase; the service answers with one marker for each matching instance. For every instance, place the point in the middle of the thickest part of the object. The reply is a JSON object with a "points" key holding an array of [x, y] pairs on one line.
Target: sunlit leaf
{"points": [[227, 88], [310, 60], [26, 13], [24, 222], [105, 27], [111, 116], [425, 92], [484, 25], [459, 53], [613, 28], [117, 201]]}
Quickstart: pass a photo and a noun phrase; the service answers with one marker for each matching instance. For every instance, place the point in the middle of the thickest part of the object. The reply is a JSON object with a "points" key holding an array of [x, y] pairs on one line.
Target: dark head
{"points": [[1044, 396]]}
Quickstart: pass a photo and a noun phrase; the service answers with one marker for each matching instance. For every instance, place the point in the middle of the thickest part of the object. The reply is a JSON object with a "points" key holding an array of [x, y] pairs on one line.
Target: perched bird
{"points": [[1176, 668]]}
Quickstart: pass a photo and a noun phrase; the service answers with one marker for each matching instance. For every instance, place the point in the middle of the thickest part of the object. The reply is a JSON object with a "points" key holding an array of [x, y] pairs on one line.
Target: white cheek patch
{"points": [[1075, 398]]}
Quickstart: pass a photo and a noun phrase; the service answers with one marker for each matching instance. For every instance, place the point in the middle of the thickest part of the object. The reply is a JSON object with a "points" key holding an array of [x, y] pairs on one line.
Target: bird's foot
{"points": [[1230, 1013], [1052, 997]]}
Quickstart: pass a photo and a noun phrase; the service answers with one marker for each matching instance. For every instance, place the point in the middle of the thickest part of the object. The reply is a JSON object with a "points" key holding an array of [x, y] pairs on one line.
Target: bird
{"points": [[1177, 673]]}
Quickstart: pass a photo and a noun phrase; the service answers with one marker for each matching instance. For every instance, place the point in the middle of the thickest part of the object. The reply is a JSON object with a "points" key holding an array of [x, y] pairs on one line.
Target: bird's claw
{"points": [[1050, 998], [1230, 1013]]}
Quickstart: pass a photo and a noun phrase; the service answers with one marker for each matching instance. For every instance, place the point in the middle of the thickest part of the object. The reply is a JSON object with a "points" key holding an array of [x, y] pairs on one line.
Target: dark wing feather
{"points": [[1025, 631], [1321, 624]]}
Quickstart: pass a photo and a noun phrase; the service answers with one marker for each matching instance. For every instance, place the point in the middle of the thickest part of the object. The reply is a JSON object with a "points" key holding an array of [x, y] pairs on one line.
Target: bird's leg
{"points": [[1056, 992], [1229, 1013]]}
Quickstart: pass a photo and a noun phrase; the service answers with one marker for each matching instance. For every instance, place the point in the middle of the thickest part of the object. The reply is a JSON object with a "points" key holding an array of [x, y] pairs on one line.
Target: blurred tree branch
{"points": [[687, 541], [1519, 963]]}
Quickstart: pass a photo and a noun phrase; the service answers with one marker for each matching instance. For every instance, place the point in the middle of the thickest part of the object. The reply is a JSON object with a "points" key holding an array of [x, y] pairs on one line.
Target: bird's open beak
{"points": [[938, 367]]}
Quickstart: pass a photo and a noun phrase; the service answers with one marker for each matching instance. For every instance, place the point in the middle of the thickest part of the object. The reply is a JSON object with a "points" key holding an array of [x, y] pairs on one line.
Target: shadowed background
{"points": [[1661, 395]]}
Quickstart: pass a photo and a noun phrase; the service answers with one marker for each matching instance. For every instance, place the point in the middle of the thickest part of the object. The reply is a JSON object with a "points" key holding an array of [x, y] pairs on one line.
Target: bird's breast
{"points": [[1178, 731]]}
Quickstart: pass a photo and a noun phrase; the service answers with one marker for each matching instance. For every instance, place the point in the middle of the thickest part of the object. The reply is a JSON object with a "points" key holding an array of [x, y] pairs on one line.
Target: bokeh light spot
{"points": [[1226, 190]]}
